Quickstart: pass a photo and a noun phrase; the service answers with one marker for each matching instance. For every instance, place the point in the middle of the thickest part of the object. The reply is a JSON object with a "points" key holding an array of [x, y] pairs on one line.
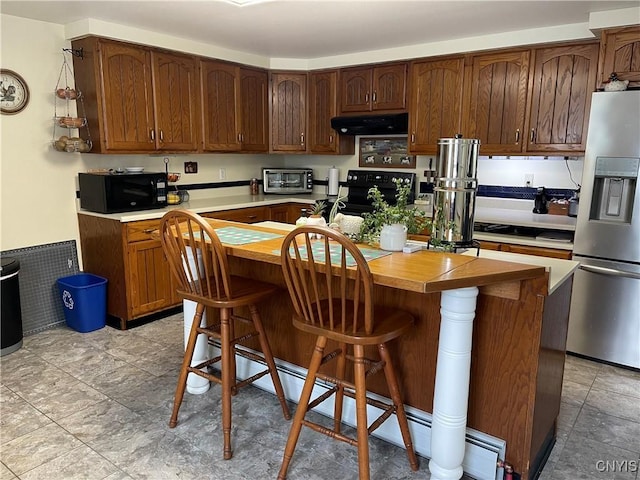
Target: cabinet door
{"points": [[279, 213], [175, 95], [389, 87], [150, 283], [498, 101], [355, 89], [435, 103], [220, 100], [620, 53], [563, 81], [126, 87], [322, 108], [254, 111], [288, 112]]}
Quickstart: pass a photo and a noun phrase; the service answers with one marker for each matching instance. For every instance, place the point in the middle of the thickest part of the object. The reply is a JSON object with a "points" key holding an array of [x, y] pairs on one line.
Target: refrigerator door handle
{"points": [[609, 271]]}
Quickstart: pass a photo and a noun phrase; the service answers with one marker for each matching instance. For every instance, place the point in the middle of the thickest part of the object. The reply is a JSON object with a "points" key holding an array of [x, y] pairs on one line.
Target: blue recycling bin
{"points": [[84, 297]]}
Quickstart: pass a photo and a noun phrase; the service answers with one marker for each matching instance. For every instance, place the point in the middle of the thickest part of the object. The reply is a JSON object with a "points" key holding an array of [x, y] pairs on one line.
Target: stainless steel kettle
{"points": [[540, 201]]}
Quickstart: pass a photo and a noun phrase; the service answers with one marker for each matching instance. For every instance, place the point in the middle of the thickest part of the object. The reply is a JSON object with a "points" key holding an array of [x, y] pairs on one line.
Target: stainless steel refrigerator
{"points": [[604, 321]]}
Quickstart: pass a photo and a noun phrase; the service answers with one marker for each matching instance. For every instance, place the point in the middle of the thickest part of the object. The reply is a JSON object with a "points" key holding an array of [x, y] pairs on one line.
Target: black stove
{"points": [[360, 181]]}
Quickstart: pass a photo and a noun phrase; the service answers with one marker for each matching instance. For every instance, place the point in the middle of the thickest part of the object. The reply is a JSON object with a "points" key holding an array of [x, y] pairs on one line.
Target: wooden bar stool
{"points": [[334, 302], [186, 235]]}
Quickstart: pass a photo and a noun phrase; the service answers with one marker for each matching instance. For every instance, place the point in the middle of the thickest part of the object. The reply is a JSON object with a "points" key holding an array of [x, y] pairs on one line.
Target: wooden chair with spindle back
{"points": [[187, 236], [332, 299]]}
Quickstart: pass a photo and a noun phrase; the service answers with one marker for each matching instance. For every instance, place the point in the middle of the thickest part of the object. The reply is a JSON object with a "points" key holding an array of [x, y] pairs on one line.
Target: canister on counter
{"points": [[253, 186]]}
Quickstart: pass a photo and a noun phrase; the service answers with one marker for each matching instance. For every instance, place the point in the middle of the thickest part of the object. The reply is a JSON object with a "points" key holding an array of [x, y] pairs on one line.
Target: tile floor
{"points": [[96, 405]]}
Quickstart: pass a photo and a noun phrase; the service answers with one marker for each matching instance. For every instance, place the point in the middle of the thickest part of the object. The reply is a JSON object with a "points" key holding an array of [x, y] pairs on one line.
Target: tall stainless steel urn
{"points": [[455, 190]]}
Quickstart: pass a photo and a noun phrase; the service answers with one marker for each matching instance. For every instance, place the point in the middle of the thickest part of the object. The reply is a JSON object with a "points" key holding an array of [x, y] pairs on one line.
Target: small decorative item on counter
{"points": [[558, 206], [254, 187], [173, 177], [315, 214], [173, 198], [304, 216]]}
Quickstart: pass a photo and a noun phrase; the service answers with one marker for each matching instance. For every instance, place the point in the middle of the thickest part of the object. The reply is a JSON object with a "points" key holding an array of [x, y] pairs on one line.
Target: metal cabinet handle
{"points": [[330, 138], [609, 271], [413, 137], [251, 217], [161, 135], [374, 97], [152, 134], [518, 135], [366, 98], [149, 230], [302, 138], [533, 134]]}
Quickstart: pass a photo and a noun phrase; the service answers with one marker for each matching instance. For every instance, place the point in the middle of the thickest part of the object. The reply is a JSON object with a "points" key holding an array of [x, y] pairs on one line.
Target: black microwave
{"points": [[122, 192]]}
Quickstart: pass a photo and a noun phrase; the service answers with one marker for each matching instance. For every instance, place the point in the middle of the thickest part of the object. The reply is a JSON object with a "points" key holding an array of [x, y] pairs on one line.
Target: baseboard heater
{"points": [[482, 450]]}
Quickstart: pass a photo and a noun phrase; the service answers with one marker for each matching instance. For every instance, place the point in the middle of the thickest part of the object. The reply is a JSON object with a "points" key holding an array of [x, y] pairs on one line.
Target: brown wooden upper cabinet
{"points": [[254, 95], [378, 88], [620, 53], [563, 80], [497, 101], [288, 112], [234, 107], [323, 106], [435, 103], [220, 106], [137, 99]]}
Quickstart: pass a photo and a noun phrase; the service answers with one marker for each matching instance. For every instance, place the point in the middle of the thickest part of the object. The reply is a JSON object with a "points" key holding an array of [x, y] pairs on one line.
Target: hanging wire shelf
{"points": [[69, 119]]}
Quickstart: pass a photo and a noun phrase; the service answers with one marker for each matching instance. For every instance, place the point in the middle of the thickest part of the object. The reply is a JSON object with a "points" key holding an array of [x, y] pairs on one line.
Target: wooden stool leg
{"points": [[303, 403], [186, 363], [268, 356], [232, 355], [226, 351], [341, 366], [361, 412], [394, 390]]}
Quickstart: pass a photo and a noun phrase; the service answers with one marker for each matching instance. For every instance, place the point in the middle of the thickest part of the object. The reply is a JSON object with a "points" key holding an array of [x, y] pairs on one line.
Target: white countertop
{"points": [[559, 270], [504, 211], [517, 212]]}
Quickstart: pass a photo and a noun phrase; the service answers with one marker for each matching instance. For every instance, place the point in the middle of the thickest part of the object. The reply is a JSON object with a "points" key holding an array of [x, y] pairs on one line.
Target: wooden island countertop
{"points": [[516, 343]]}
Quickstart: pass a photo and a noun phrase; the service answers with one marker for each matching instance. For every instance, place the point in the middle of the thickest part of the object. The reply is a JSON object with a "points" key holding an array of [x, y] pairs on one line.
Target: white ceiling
{"points": [[308, 29]]}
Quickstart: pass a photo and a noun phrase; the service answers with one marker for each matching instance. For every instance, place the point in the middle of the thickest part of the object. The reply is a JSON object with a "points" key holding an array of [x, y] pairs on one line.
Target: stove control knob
{"points": [[393, 179], [349, 177], [406, 180]]}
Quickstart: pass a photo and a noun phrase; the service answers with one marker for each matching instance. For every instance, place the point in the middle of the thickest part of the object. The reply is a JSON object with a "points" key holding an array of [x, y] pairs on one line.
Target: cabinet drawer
{"points": [[142, 230], [244, 215]]}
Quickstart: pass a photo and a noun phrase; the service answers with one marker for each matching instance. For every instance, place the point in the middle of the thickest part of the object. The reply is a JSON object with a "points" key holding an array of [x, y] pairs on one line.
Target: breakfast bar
{"points": [[488, 331]]}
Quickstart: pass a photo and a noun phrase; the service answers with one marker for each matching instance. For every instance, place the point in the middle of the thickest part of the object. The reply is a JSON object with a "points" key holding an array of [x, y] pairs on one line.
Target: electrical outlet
{"points": [[223, 174], [528, 179]]}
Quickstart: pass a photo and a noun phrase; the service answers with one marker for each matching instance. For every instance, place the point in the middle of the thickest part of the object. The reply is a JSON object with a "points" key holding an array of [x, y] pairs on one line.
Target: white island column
{"points": [[451, 392]]}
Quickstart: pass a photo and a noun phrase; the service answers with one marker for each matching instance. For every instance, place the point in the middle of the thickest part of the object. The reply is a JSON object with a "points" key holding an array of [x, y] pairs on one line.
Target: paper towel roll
{"points": [[334, 180]]}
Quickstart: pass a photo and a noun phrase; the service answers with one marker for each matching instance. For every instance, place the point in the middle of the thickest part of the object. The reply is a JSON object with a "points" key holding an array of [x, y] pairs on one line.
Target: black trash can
{"points": [[11, 319]]}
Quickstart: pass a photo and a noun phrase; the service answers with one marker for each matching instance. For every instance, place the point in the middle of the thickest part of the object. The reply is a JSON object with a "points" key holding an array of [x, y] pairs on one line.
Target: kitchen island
{"points": [[519, 331], [516, 362]]}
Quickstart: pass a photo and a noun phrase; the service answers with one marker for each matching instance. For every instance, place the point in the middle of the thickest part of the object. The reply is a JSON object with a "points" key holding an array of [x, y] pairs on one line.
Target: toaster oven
{"points": [[287, 180]]}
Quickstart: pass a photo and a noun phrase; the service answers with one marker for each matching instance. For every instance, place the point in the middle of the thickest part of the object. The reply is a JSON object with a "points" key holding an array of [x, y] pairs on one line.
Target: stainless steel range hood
{"points": [[392, 124]]}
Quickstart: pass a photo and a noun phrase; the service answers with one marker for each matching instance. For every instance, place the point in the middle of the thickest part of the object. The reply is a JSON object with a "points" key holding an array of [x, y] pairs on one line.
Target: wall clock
{"points": [[14, 93]]}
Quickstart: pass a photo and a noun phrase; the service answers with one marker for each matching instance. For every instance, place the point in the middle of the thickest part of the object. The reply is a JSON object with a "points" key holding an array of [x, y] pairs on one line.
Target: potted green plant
{"points": [[409, 218]]}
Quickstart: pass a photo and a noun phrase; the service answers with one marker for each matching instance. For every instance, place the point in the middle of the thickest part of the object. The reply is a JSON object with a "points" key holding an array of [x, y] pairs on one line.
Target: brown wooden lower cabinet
{"points": [[527, 250], [131, 258]]}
